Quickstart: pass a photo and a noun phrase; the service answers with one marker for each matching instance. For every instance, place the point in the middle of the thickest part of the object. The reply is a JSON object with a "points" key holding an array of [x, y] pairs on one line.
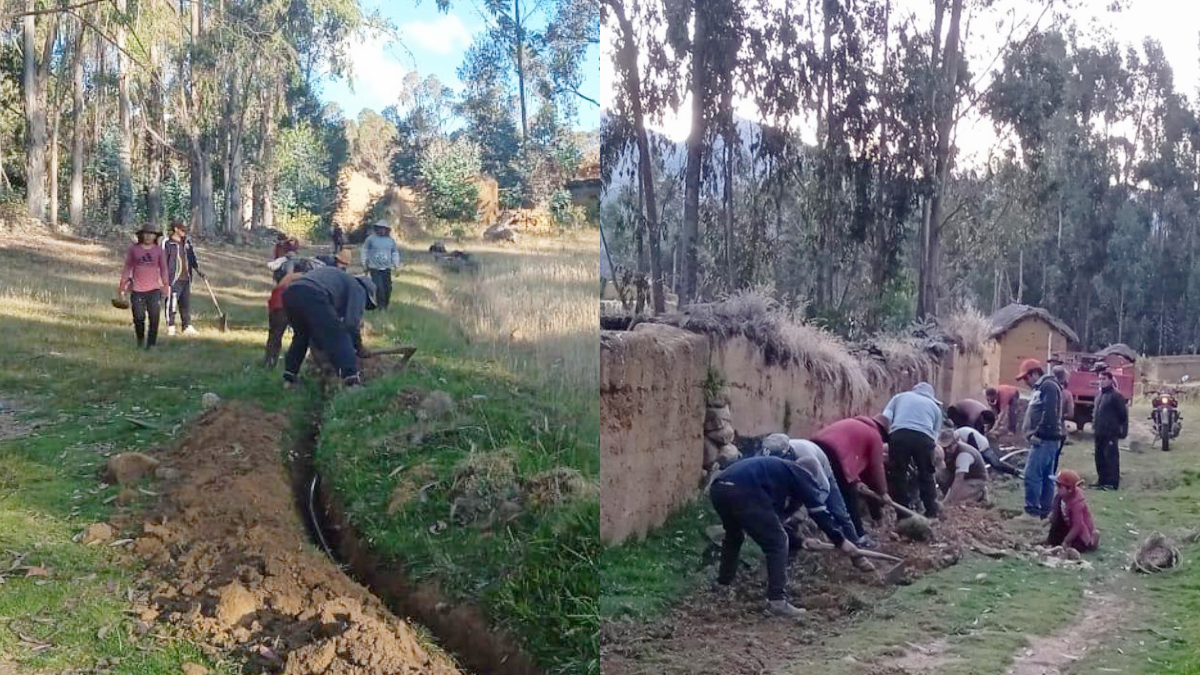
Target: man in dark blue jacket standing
{"points": [[755, 496], [1044, 432], [325, 307]]}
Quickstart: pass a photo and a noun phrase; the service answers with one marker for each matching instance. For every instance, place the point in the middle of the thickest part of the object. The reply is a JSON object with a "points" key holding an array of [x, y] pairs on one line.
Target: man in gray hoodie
{"points": [[916, 420], [380, 256]]}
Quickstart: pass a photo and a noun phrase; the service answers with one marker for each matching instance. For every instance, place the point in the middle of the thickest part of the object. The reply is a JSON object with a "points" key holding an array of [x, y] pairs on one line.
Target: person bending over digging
{"points": [[972, 437], [812, 456], [971, 413], [914, 418], [1070, 520], [325, 308], [1044, 431], [277, 320], [145, 274], [855, 448], [754, 496], [1003, 401], [967, 481]]}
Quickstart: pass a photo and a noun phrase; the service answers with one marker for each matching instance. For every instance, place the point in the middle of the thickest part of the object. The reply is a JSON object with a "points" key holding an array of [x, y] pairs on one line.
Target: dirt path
{"points": [[727, 632], [229, 558], [1054, 654]]}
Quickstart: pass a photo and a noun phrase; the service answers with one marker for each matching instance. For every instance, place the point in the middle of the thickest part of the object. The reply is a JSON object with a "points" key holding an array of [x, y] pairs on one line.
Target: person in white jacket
{"points": [[380, 256]]}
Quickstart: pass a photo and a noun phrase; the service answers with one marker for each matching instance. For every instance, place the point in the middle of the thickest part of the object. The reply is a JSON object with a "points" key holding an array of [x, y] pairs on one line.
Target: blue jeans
{"points": [[841, 514], [1039, 477]]}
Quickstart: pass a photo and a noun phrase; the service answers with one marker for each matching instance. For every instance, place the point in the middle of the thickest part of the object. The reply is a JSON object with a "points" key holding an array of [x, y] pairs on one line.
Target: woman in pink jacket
{"points": [[145, 274]]}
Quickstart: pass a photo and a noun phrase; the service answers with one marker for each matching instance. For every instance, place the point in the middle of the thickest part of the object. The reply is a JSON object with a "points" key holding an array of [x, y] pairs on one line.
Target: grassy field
{"points": [[980, 623], [70, 366], [519, 441]]}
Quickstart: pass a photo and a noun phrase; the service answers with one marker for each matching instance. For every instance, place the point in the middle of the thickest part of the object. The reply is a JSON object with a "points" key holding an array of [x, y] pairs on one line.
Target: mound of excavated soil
{"points": [[231, 560]]}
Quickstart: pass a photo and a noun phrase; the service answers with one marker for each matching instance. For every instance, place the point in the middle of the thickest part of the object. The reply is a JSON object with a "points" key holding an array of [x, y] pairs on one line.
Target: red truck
{"points": [[1084, 383]]}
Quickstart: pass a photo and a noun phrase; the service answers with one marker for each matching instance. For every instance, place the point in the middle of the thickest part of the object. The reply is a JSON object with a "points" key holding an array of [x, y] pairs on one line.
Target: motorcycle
{"points": [[1168, 422]]}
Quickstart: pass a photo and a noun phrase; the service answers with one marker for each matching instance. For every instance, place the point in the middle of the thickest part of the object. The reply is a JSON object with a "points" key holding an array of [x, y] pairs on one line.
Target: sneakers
{"points": [[352, 381], [190, 330], [785, 609], [170, 330], [1027, 518]]}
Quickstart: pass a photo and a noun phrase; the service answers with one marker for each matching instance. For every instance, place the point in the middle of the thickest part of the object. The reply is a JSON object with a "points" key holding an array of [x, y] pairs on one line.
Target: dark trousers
{"points": [[912, 448], [744, 512], [277, 325], [148, 304], [383, 287], [314, 320], [181, 301], [849, 495], [992, 457], [338, 245], [1108, 461]]}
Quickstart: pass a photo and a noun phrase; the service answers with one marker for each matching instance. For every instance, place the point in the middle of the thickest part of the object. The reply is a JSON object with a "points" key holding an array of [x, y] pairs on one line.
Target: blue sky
{"points": [[431, 43]]}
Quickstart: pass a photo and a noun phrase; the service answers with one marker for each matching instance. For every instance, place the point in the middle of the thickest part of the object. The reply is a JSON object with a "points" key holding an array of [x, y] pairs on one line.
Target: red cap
{"points": [[1029, 365]]}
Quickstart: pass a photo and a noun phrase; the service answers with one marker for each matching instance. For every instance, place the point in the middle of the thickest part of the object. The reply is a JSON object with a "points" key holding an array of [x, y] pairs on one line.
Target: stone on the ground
{"points": [[98, 533], [128, 467], [210, 400], [916, 528], [166, 473], [500, 232], [437, 405], [235, 602], [194, 669], [715, 418], [728, 455]]}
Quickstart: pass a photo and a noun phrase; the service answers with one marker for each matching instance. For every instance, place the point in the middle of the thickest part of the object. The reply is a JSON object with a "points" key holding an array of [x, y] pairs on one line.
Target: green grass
{"points": [[984, 622], [69, 362], [535, 575]]}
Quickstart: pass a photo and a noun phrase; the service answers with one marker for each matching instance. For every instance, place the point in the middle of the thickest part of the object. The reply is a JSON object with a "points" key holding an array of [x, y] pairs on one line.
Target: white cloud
{"points": [[377, 72], [444, 35]]}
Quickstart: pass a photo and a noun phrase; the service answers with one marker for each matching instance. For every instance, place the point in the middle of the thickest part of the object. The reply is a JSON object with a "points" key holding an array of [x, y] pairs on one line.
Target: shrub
{"points": [[300, 223], [448, 180]]}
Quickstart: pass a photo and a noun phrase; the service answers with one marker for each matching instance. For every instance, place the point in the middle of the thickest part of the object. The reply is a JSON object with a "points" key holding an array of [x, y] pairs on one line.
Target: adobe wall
{"points": [[653, 403], [652, 415], [1170, 368], [1030, 339]]}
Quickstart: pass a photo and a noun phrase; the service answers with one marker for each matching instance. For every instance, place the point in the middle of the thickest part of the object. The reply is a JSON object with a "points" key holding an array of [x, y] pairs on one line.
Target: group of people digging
{"points": [[154, 271], [324, 305], [316, 297], [910, 456]]}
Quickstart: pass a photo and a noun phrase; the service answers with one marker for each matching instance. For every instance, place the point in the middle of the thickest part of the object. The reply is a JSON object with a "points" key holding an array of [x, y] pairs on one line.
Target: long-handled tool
{"points": [[221, 315], [916, 526], [405, 353]]}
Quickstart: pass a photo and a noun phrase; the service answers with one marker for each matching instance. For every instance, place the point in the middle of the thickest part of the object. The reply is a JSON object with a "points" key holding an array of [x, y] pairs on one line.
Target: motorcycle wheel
{"points": [[1166, 443]]}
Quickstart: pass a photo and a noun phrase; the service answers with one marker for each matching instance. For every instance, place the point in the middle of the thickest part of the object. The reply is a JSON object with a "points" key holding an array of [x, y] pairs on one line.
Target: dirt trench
{"points": [[228, 556]]}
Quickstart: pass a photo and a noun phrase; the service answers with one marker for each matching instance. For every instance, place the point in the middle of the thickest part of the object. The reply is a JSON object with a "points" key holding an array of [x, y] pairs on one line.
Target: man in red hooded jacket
{"points": [[855, 450]]}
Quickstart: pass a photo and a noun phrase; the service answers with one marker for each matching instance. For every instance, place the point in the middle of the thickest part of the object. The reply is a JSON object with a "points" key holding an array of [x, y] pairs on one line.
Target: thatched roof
{"points": [[1121, 350], [1007, 318]]}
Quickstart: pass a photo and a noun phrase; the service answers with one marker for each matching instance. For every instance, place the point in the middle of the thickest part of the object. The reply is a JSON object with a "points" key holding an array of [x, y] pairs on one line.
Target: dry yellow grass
{"points": [[533, 307]]}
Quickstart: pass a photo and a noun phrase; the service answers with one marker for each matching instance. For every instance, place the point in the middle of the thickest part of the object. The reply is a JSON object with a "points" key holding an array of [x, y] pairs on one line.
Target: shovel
{"points": [[224, 319], [922, 523], [405, 353]]}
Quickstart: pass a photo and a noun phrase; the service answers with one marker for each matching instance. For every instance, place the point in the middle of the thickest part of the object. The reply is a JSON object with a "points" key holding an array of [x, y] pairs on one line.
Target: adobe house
{"points": [[586, 186], [1022, 332]]}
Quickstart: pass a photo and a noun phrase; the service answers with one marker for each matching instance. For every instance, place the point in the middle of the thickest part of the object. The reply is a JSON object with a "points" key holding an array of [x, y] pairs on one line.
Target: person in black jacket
{"points": [[1110, 424], [339, 239], [181, 263], [755, 496], [1044, 431], [325, 307]]}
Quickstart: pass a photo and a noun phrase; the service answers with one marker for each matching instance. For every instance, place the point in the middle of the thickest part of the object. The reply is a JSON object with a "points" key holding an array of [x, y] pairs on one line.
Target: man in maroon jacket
{"points": [[855, 450]]}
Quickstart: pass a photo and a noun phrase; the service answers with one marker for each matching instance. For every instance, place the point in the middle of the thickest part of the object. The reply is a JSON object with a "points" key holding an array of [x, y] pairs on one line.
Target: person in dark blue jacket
{"points": [[755, 496], [1044, 432], [181, 263], [325, 307]]}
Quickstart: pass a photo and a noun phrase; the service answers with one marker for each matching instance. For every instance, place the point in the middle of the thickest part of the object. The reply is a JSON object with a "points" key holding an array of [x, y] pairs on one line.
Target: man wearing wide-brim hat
{"points": [[380, 256]]}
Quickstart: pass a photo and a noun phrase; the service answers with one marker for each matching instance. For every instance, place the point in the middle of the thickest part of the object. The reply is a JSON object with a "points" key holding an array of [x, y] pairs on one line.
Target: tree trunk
{"points": [[155, 153], [731, 137], [928, 300], [627, 57], [125, 148], [263, 215], [690, 235], [53, 167], [35, 120], [520, 23], [77, 127]]}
